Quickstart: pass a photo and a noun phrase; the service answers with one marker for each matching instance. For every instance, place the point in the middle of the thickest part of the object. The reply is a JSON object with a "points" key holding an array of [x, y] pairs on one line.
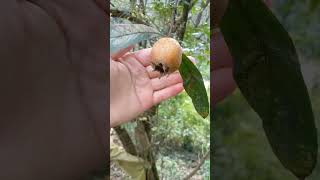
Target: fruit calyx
{"points": [[166, 55]]}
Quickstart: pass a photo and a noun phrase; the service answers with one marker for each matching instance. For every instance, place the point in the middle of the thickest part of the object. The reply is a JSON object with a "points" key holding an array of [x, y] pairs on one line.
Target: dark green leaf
{"points": [[194, 86], [124, 35], [267, 71]]}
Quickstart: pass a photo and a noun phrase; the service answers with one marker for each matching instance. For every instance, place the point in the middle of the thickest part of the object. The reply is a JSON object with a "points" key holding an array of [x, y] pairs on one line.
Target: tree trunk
{"points": [[182, 23], [172, 27], [144, 143]]}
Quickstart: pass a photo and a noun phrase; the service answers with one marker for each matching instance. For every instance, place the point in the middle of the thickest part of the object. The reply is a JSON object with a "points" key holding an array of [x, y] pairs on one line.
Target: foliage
{"points": [[125, 35], [241, 150], [169, 162], [181, 126], [267, 73], [177, 126], [194, 86]]}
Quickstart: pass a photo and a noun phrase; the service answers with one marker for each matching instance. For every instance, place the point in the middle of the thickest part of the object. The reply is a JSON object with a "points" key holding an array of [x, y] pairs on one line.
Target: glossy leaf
{"points": [[267, 71], [194, 86], [124, 35]]}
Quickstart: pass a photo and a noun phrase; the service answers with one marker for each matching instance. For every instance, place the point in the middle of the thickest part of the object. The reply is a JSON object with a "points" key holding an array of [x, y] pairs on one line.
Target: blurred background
{"points": [[180, 138], [241, 150]]}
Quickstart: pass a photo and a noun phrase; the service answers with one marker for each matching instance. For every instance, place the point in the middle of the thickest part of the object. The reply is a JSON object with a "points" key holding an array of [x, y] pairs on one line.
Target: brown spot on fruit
{"points": [[166, 55]]}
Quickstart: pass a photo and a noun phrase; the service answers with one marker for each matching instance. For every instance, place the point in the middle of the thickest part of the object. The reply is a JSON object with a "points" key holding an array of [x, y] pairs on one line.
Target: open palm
{"points": [[135, 87]]}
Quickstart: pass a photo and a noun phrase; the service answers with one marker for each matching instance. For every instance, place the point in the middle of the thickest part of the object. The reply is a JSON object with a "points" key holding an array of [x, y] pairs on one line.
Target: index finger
{"points": [[143, 56]]}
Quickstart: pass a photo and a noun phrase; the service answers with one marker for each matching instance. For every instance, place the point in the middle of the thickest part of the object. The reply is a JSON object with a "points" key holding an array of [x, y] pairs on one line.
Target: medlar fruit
{"points": [[166, 55]]}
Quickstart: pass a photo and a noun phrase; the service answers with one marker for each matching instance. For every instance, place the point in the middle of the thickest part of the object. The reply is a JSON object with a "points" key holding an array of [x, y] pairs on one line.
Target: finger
{"points": [[222, 85], [167, 93], [161, 83], [152, 73], [120, 53], [221, 56], [143, 56]]}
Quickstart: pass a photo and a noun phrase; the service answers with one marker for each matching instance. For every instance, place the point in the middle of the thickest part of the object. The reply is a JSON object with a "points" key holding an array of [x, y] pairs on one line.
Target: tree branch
{"points": [[126, 15], [143, 137], [182, 22], [198, 167], [199, 16], [126, 140]]}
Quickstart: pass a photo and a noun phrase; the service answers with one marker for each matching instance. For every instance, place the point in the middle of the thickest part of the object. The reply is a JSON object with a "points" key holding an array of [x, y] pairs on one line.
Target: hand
{"points": [[135, 87]]}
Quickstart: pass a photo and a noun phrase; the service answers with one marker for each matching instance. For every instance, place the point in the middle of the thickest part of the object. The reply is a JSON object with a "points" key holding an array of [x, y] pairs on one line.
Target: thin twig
{"points": [[127, 15], [198, 167]]}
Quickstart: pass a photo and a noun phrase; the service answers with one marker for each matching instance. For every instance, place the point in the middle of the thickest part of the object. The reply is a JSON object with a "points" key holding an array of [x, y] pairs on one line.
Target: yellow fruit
{"points": [[166, 55]]}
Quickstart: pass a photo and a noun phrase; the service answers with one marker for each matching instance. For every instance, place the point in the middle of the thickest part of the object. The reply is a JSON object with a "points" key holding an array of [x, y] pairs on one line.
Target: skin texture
{"points": [[135, 87], [53, 66]]}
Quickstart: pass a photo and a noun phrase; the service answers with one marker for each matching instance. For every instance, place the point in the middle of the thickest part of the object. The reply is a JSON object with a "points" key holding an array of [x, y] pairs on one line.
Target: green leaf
{"points": [[267, 71], [194, 86], [124, 35]]}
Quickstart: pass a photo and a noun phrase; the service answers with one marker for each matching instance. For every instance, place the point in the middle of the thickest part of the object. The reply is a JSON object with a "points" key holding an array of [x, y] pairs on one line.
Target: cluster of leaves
{"points": [[180, 126]]}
